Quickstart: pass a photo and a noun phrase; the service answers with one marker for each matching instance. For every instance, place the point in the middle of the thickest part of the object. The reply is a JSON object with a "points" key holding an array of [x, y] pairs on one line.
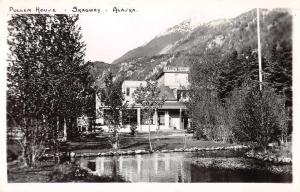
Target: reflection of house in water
{"points": [[144, 168], [173, 84]]}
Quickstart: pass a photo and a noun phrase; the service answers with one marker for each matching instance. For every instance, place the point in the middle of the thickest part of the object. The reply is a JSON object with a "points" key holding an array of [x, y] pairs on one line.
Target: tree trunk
{"points": [[65, 130], [57, 124], [33, 157], [26, 144], [23, 156], [149, 136]]}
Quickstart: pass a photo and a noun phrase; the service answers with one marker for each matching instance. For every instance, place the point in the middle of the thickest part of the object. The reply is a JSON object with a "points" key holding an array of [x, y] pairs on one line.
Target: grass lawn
{"points": [[160, 141]]}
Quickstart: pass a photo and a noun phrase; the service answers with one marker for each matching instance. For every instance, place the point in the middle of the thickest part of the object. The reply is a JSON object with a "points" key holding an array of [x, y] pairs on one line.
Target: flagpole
{"points": [[259, 67], [259, 51]]}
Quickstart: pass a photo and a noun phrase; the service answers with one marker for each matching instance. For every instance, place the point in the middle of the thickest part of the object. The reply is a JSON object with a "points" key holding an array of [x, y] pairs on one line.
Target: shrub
{"points": [[133, 129], [257, 115], [199, 133]]}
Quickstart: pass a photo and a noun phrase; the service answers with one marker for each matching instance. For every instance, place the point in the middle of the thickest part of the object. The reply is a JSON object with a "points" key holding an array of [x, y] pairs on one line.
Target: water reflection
{"points": [[170, 167]]}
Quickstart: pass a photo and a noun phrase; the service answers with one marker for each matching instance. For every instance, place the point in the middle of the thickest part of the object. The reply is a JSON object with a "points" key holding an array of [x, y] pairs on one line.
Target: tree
{"points": [[257, 114], [150, 98], [112, 97], [73, 80], [278, 49], [238, 67], [205, 110], [46, 75]]}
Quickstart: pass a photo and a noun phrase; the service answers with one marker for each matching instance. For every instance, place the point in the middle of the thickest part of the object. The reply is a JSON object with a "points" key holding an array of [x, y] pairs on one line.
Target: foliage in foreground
{"points": [[258, 115], [112, 97], [48, 81]]}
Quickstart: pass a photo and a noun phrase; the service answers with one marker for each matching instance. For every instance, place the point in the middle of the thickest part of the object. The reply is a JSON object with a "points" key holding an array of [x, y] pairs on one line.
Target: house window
{"points": [[146, 118], [161, 118], [178, 95], [182, 94], [175, 92], [127, 91], [129, 117]]}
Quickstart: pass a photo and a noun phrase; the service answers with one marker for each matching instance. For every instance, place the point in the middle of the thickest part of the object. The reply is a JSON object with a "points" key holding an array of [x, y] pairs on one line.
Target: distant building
{"points": [[173, 83]]}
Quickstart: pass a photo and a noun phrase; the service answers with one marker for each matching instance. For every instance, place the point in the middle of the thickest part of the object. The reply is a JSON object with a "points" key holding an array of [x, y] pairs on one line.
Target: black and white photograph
{"points": [[149, 92]]}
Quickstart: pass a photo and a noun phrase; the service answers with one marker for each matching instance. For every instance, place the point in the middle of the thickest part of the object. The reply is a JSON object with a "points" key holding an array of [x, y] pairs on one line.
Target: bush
{"points": [[198, 133], [257, 115], [209, 116], [133, 129]]}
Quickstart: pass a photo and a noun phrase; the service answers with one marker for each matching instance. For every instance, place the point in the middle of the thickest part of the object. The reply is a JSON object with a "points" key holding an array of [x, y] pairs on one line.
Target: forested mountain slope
{"points": [[186, 45]]}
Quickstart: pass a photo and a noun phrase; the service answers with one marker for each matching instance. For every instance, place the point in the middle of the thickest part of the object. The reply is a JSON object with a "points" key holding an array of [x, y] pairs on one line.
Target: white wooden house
{"points": [[173, 84]]}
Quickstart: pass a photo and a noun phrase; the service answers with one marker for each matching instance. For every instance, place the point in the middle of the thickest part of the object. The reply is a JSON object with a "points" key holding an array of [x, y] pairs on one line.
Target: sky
{"points": [[108, 36]]}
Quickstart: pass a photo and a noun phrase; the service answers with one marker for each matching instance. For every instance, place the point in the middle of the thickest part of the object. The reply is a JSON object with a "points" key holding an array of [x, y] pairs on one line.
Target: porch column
{"points": [[189, 124], [167, 120], [100, 116], [120, 118], [86, 124], [155, 118], [139, 119], [180, 117]]}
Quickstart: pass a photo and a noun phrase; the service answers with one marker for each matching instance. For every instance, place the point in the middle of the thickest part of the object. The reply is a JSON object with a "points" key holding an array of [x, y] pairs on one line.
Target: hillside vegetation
{"points": [[183, 46]]}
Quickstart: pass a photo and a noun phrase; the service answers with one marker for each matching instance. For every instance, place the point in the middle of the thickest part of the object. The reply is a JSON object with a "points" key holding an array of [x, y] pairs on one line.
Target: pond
{"points": [[220, 166]]}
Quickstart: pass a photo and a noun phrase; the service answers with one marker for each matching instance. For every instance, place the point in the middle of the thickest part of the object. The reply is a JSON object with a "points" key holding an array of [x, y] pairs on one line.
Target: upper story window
{"points": [[178, 95], [127, 91], [184, 95], [175, 92]]}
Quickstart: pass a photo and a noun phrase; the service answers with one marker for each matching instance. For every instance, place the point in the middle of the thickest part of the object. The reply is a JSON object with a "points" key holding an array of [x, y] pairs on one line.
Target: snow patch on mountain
{"points": [[183, 27]]}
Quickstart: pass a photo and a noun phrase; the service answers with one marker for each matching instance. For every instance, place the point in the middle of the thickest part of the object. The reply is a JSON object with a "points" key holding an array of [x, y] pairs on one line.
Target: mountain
{"points": [[183, 44], [160, 44]]}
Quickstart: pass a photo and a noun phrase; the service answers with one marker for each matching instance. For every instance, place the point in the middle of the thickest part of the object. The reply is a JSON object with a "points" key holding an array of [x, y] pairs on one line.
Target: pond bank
{"points": [[140, 142], [140, 151], [243, 164], [268, 157]]}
